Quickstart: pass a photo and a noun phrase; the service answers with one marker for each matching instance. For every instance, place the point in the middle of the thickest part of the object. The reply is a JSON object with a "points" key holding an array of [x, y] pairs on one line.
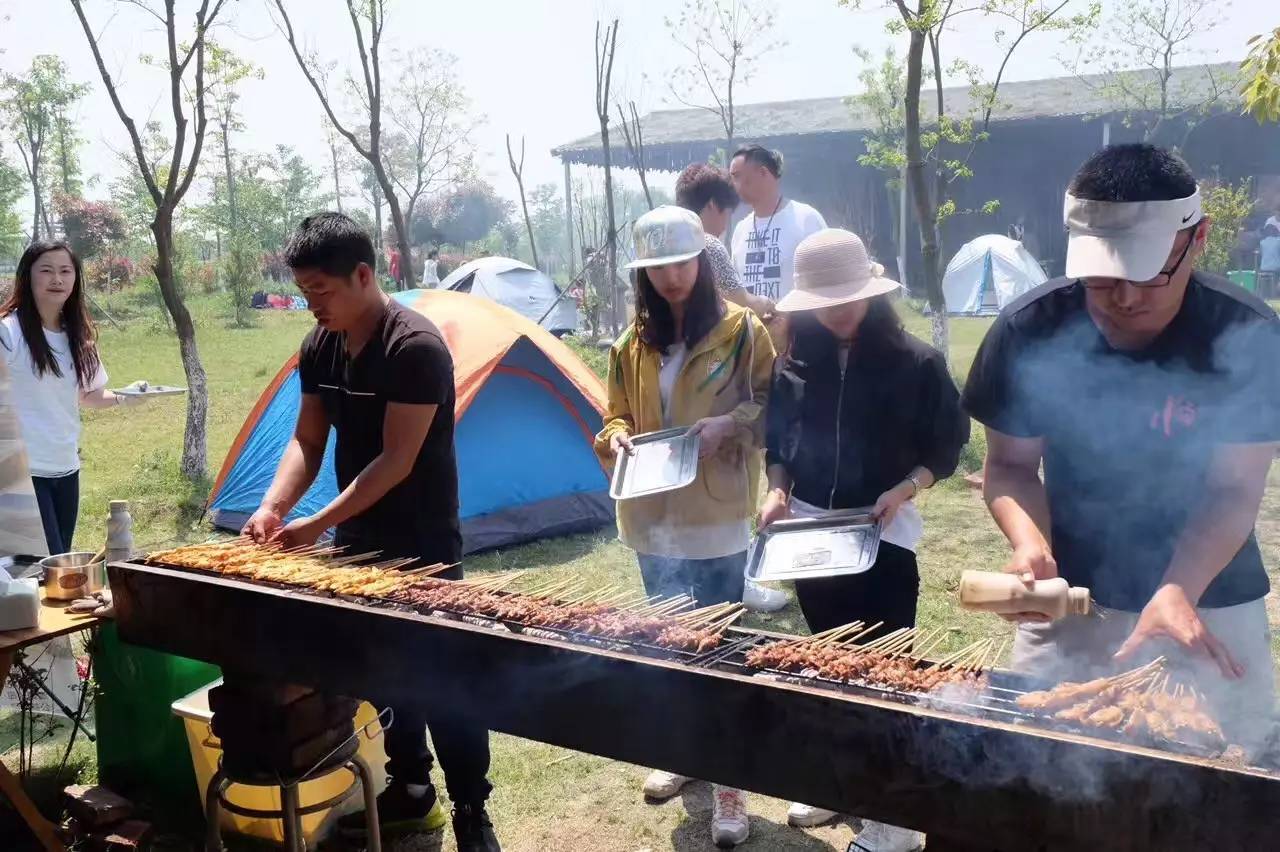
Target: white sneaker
{"points": [[879, 837], [807, 816], [728, 817], [663, 785], [760, 598]]}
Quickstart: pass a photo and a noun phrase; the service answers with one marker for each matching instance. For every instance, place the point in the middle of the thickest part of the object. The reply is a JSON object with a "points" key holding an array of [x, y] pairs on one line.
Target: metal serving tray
{"points": [[844, 542], [659, 461], [150, 390]]}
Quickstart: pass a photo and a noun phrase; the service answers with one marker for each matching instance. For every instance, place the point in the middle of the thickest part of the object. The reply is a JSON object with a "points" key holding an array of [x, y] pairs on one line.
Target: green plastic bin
{"points": [[142, 746], [1246, 278]]}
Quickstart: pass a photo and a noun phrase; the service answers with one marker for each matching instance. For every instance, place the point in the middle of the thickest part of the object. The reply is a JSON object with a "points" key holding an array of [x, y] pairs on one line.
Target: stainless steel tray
{"points": [[659, 461], [150, 390], [844, 542]]}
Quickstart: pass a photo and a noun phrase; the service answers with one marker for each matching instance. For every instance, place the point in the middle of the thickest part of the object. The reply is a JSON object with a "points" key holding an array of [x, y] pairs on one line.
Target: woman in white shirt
{"points": [[48, 342]]}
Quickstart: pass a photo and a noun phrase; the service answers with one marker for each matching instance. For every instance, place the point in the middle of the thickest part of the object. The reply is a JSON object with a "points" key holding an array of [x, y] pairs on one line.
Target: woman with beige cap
{"points": [[689, 359], [861, 414]]}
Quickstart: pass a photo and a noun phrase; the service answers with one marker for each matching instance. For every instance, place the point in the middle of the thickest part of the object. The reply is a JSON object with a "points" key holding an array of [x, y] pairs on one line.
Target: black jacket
{"points": [[899, 408]]}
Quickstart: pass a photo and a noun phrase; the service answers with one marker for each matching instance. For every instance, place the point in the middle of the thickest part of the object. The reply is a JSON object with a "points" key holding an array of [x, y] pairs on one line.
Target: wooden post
{"points": [[568, 217]]}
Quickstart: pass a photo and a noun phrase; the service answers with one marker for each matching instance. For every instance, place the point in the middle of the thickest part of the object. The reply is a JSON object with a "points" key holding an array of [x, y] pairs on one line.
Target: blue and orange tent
{"points": [[527, 411]]}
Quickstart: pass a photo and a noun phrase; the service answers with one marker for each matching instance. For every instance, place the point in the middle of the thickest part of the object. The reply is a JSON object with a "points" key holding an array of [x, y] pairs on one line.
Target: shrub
{"points": [[109, 272]]}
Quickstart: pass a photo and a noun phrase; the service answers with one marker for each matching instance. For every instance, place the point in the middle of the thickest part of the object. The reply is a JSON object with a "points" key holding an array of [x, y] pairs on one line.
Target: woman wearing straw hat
{"points": [[861, 414], [689, 359]]}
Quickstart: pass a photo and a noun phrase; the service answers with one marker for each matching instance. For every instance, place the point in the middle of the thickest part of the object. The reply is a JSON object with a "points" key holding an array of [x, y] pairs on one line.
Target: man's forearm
{"points": [[380, 476], [1211, 539], [779, 479], [1018, 503], [298, 469]]}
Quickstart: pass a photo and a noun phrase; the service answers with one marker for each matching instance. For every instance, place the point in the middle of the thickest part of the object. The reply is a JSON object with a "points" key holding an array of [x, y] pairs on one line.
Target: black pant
{"points": [[463, 746], [886, 593], [707, 581], [59, 500]]}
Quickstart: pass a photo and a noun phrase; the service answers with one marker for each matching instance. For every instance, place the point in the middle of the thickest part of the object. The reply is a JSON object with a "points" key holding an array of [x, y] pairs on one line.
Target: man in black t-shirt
{"points": [[1152, 395], [381, 376]]}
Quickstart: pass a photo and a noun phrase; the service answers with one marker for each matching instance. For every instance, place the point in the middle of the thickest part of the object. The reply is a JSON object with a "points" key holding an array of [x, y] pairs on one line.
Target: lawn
{"points": [[546, 798]]}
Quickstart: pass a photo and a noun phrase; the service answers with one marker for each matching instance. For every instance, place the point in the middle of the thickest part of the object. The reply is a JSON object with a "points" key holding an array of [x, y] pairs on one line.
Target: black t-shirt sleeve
{"points": [[993, 393], [420, 370], [307, 366], [1251, 352]]}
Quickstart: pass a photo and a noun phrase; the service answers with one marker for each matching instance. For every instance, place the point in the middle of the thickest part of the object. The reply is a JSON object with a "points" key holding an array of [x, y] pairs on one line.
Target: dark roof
{"points": [[1027, 99]]}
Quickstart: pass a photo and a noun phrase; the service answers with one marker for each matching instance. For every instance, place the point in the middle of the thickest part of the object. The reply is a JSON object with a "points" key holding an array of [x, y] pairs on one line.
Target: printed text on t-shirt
{"points": [[762, 274]]}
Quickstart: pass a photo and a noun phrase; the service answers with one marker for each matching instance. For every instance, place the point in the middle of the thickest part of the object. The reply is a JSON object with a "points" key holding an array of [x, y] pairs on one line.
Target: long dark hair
{"points": [[881, 328], [76, 322], [654, 322]]}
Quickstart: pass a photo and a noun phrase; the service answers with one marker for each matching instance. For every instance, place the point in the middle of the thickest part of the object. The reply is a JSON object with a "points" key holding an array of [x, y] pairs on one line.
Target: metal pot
{"points": [[69, 576]]}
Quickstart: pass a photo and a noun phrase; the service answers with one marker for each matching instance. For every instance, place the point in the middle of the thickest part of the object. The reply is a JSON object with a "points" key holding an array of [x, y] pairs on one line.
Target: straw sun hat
{"points": [[832, 268]]}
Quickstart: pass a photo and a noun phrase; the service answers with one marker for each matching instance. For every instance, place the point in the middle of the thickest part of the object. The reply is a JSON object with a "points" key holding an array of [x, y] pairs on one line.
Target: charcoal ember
{"points": [[96, 807]]}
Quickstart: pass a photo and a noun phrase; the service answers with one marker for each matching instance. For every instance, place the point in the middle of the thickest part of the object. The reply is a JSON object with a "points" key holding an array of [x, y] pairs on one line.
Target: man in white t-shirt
{"points": [[764, 243], [764, 250]]}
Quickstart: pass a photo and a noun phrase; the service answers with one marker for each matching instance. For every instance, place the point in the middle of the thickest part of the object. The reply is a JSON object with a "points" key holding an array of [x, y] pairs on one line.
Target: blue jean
{"points": [[707, 581], [59, 500]]}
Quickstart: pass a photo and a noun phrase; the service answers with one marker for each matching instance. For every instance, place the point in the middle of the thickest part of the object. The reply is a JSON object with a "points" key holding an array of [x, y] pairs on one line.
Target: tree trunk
{"points": [[37, 210], [337, 183], [402, 232], [925, 204], [194, 461], [62, 156], [612, 236], [377, 224], [231, 181]]}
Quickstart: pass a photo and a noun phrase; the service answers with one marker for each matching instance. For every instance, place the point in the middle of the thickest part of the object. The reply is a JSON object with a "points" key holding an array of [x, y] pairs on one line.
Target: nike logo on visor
{"points": [[1187, 218]]}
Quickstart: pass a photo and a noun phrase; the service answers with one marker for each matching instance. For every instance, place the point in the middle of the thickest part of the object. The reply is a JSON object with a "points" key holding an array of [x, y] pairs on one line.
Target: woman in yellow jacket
{"points": [[689, 359]]}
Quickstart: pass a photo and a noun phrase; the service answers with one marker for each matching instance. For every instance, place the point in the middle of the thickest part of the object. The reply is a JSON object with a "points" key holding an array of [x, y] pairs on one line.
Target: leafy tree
{"points": [[1131, 58], [470, 212], [368, 24], [189, 93], [428, 141], [1261, 84], [1227, 206], [36, 102], [11, 239], [937, 145], [724, 41], [91, 226]]}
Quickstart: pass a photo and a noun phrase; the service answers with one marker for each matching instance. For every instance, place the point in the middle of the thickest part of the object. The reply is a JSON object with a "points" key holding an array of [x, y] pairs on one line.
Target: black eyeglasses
{"points": [[1162, 279]]}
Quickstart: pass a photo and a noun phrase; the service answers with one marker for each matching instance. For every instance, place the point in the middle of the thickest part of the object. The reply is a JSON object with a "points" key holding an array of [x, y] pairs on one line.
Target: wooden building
{"points": [[1042, 131]]}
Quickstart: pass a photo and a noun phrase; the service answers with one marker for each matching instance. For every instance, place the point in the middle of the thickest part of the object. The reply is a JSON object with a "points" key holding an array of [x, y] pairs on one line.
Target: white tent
{"points": [[988, 273], [518, 286]]}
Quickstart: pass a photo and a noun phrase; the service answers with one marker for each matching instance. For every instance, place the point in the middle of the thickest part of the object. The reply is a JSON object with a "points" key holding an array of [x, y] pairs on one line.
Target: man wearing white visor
{"points": [[1151, 393]]}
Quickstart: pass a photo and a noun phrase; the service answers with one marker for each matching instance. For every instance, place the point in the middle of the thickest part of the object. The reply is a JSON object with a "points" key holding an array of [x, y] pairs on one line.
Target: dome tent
{"points": [[527, 411], [519, 286], [987, 273]]}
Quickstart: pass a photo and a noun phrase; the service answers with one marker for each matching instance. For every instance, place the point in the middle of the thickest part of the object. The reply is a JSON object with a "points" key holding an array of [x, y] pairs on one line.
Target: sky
{"points": [[527, 65]]}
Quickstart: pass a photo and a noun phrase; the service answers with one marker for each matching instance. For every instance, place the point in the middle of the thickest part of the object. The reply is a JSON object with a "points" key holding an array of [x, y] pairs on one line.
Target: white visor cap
{"points": [[1129, 240]]}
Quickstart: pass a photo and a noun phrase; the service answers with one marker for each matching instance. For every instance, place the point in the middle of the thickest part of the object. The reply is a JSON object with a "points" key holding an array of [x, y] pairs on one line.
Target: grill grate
{"points": [[994, 702]]}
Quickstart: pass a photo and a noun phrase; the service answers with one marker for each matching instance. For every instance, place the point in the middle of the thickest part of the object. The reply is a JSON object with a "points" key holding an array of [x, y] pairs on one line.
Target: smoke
{"points": [[1064, 771]]}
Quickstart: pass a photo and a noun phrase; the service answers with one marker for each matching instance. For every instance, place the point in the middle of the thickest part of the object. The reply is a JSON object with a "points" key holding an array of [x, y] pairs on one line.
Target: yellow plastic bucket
{"points": [[206, 751]]}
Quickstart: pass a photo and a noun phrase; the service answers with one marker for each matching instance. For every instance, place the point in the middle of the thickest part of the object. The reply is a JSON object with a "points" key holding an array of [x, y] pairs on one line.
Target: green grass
{"points": [[546, 798]]}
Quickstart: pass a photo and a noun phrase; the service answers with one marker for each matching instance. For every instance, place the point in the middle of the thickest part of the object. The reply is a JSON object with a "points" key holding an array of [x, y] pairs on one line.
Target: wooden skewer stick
{"points": [[949, 661], [840, 634], [723, 624], [887, 639], [852, 640], [926, 649]]}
